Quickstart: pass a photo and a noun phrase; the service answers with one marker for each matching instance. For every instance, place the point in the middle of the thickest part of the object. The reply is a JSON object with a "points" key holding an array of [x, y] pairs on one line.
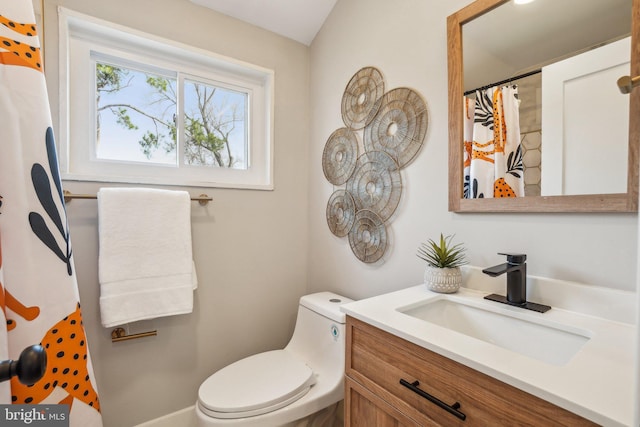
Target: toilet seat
{"points": [[255, 385]]}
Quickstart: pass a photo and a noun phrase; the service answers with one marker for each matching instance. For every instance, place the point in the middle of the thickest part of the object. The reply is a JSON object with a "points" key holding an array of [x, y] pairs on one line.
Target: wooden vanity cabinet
{"points": [[377, 362]]}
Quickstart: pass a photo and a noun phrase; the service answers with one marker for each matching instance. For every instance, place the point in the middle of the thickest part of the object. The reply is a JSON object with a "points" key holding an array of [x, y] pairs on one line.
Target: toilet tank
{"points": [[319, 334]]}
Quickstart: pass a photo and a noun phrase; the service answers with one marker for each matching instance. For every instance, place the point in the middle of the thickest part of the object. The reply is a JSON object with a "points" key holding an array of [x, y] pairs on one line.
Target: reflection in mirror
{"points": [[579, 104], [568, 130], [563, 70]]}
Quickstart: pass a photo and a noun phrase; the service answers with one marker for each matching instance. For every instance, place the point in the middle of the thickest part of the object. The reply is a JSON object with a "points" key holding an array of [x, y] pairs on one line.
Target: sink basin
{"points": [[539, 340]]}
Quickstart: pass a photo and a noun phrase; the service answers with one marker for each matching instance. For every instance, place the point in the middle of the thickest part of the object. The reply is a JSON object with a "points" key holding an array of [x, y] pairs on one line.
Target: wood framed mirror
{"points": [[617, 201]]}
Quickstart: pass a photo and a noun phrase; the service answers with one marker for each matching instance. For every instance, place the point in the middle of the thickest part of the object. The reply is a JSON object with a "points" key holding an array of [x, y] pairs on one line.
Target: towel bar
{"points": [[627, 83], [119, 334], [203, 199]]}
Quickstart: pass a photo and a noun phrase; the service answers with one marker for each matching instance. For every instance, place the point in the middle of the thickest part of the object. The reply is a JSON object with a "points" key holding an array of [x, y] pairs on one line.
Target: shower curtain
{"points": [[493, 154], [5, 387], [39, 295]]}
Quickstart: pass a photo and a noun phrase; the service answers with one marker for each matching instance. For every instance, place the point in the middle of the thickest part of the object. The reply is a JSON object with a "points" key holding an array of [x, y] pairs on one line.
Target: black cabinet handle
{"points": [[453, 409]]}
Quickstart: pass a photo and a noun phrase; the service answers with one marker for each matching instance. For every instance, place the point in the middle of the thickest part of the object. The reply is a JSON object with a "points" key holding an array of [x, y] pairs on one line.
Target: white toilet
{"points": [[278, 387]]}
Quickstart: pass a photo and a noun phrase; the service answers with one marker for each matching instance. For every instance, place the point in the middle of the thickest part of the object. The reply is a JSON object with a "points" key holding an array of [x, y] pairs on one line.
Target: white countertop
{"points": [[597, 383]]}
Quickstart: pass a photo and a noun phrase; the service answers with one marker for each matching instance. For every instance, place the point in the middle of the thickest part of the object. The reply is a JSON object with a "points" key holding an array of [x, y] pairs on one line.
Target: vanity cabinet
{"points": [[392, 382]]}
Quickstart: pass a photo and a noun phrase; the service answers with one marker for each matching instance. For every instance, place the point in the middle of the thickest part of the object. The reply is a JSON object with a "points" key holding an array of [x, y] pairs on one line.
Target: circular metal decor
{"points": [[399, 126], [376, 184], [368, 237], [339, 156], [361, 97], [341, 213]]}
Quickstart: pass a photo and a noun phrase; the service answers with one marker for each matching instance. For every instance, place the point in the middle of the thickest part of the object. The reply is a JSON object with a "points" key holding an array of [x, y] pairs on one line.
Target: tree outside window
{"points": [[139, 114]]}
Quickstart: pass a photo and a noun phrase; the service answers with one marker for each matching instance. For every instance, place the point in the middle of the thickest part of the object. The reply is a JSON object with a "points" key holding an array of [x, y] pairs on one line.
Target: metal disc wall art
{"points": [[369, 164], [361, 97], [339, 156], [399, 126], [376, 184], [368, 236], [341, 213]]}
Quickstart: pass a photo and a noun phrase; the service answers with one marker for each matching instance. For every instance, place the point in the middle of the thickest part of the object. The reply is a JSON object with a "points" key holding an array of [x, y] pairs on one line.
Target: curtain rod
{"points": [[509, 80]]}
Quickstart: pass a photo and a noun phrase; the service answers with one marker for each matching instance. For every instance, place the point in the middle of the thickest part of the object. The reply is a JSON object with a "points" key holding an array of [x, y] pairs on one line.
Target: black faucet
{"points": [[516, 269]]}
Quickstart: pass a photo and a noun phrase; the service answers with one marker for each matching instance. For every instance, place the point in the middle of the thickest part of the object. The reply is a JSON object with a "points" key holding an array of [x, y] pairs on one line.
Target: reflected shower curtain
{"points": [[495, 154], [39, 286], [469, 112]]}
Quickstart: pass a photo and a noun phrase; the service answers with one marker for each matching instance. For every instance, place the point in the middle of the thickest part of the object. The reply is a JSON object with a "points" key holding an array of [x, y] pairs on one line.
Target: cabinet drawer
{"points": [[379, 361], [364, 409]]}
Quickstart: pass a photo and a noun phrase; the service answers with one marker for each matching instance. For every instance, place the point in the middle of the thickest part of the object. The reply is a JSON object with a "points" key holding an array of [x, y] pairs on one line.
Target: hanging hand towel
{"points": [[145, 261]]}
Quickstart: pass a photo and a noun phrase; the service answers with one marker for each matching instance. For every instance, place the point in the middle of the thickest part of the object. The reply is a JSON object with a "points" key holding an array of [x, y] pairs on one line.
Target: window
{"points": [[145, 110]]}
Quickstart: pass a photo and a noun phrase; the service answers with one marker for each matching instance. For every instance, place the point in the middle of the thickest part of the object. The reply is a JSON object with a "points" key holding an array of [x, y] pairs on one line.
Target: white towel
{"points": [[145, 264]]}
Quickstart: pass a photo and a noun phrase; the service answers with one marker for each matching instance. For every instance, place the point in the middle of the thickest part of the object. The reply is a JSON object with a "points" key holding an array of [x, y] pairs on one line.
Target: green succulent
{"points": [[443, 254]]}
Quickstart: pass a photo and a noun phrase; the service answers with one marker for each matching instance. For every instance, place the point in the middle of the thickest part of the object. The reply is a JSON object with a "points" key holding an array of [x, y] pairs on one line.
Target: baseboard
{"points": [[184, 418]]}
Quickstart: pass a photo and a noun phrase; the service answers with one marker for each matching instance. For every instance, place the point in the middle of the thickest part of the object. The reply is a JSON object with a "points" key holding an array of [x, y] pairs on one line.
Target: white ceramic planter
{"points": [[443, 280]]}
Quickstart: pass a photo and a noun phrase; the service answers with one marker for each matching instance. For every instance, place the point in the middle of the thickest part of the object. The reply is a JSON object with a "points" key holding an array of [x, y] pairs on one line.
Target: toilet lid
{"points": [[255, 385]]}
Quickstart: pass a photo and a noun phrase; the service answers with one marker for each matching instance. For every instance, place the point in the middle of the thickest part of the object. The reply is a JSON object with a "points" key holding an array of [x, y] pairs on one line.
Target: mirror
{"points": [[479, 57]]}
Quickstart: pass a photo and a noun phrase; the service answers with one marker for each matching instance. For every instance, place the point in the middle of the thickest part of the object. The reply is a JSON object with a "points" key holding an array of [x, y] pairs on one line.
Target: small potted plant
{"points": [[444, 259]]}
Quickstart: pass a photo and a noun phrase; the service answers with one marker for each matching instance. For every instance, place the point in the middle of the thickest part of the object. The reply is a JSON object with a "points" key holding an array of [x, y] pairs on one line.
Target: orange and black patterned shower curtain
{"points": [[493, 164], [5, 387], [39, 294]]}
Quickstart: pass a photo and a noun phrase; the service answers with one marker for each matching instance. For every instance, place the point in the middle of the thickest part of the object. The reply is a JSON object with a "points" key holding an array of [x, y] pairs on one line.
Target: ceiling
{"points": [[513, 39], [299, 20], [526, 44]]}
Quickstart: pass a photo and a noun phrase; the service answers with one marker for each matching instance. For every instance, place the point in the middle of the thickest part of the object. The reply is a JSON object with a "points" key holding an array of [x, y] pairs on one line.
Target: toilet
{"points": [[277, 388]]}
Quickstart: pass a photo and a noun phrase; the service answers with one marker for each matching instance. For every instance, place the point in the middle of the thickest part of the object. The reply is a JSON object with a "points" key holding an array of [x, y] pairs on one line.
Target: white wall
{"points": [[406, 40], [249, 246]]}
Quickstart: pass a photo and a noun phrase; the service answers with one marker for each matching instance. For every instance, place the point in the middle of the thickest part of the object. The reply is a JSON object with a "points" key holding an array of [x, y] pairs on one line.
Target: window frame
{"points": [[83, 37]]}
